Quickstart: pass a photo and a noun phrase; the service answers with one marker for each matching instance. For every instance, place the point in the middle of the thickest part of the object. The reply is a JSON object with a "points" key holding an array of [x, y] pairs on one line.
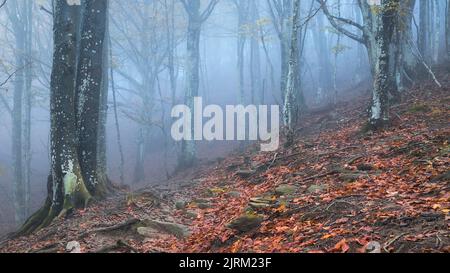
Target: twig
{"points": [[422, 60], [385, 247], [354, 159], [46, 10], [273, 161], [12, 74]]}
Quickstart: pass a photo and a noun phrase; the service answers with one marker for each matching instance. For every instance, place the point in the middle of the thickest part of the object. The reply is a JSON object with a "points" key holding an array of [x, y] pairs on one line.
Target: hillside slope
{"points": [[335, 190]]}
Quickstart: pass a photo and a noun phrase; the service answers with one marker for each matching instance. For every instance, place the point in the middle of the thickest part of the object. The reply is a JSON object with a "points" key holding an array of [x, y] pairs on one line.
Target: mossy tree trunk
{"points": [[74, 111], [384, 83], [89, 92]]}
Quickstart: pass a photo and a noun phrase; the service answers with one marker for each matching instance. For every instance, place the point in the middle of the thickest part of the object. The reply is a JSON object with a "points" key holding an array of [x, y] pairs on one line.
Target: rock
{"points": [[349, 177], [73, 247], [246, 222], [180, 205], [365, 167], [263, 199], [215, 191], [285, 190], [419, 108], [191, 214], [373, 247], [442, 177], [204, 205], [316, 188], [258, 205], [245, 173], [148, 232], [201, 200], [177, 230], [234, 194]]}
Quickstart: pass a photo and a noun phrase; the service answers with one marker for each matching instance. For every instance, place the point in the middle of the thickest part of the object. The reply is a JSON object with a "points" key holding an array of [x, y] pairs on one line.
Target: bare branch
{"points": [[209, 10], [333, 21], [46, 10]]}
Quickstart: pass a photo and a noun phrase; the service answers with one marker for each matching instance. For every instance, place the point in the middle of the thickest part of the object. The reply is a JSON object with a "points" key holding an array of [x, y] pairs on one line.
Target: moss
{"points": [[419, 108], [246, 222], [373, 126], [76, 194], [35, 220]]}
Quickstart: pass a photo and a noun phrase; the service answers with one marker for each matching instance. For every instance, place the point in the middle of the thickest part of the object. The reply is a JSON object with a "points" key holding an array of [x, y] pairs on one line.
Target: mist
{"points": [[244, 56]]}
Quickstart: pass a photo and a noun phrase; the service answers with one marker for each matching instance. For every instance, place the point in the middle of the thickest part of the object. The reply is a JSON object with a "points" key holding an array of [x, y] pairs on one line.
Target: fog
{"points": [[148, 77]]}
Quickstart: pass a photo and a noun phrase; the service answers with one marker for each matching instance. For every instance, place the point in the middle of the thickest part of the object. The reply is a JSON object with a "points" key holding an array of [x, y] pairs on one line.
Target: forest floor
{"points": [[336, 190]]}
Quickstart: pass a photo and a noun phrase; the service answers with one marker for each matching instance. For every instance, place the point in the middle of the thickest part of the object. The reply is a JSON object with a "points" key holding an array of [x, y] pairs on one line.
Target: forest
{"points": [[224, 126]]}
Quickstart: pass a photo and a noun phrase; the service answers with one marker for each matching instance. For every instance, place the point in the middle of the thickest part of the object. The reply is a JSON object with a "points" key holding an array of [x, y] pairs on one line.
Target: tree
{"points": [[20, 16], [148, 53], [323, 55], [423, 38], [447, 30], [291, 86], [89, 83], [385, 22], [242, 9], [195, 20], [76, 81], [280, 12], [255, 58], [366, 34]]}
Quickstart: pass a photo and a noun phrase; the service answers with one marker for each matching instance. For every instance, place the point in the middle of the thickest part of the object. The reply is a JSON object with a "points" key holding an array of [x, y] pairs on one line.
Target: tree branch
{"points": [[208, 10], [46, 10], [339, 28]]}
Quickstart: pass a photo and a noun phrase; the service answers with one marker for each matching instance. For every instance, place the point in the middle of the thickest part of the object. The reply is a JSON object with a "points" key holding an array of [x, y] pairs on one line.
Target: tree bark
{"points": [[89, 92], [447, 31], [291, 86], [385, 24], [195, 20], [74, 111]]}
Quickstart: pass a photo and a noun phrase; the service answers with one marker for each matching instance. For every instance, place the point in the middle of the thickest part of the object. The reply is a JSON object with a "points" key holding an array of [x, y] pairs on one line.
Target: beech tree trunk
{"points": [[386, 22], [89, 92], [74, 110], [195, 20], [291, 86]]}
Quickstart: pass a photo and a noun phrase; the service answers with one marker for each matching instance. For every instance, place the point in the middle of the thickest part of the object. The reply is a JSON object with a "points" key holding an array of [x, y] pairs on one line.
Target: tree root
{"points": [[35, 221], [123, 225], [119, 244]]}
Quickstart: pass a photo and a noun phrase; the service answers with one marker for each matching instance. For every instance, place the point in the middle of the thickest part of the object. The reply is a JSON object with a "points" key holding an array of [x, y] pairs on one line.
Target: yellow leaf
{"points": [[327, 236], [281, 208]]}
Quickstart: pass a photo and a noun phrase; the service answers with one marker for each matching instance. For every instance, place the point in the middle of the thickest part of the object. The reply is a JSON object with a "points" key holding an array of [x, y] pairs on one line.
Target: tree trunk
{"points": [[28, 105], [74, 111], [16, 14], [385, 23], [424, 29], [447, 31], [242, 11], [255, 61], [102, 147], [89, 91], [188, 153], [323, 56], [289, 101]]}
